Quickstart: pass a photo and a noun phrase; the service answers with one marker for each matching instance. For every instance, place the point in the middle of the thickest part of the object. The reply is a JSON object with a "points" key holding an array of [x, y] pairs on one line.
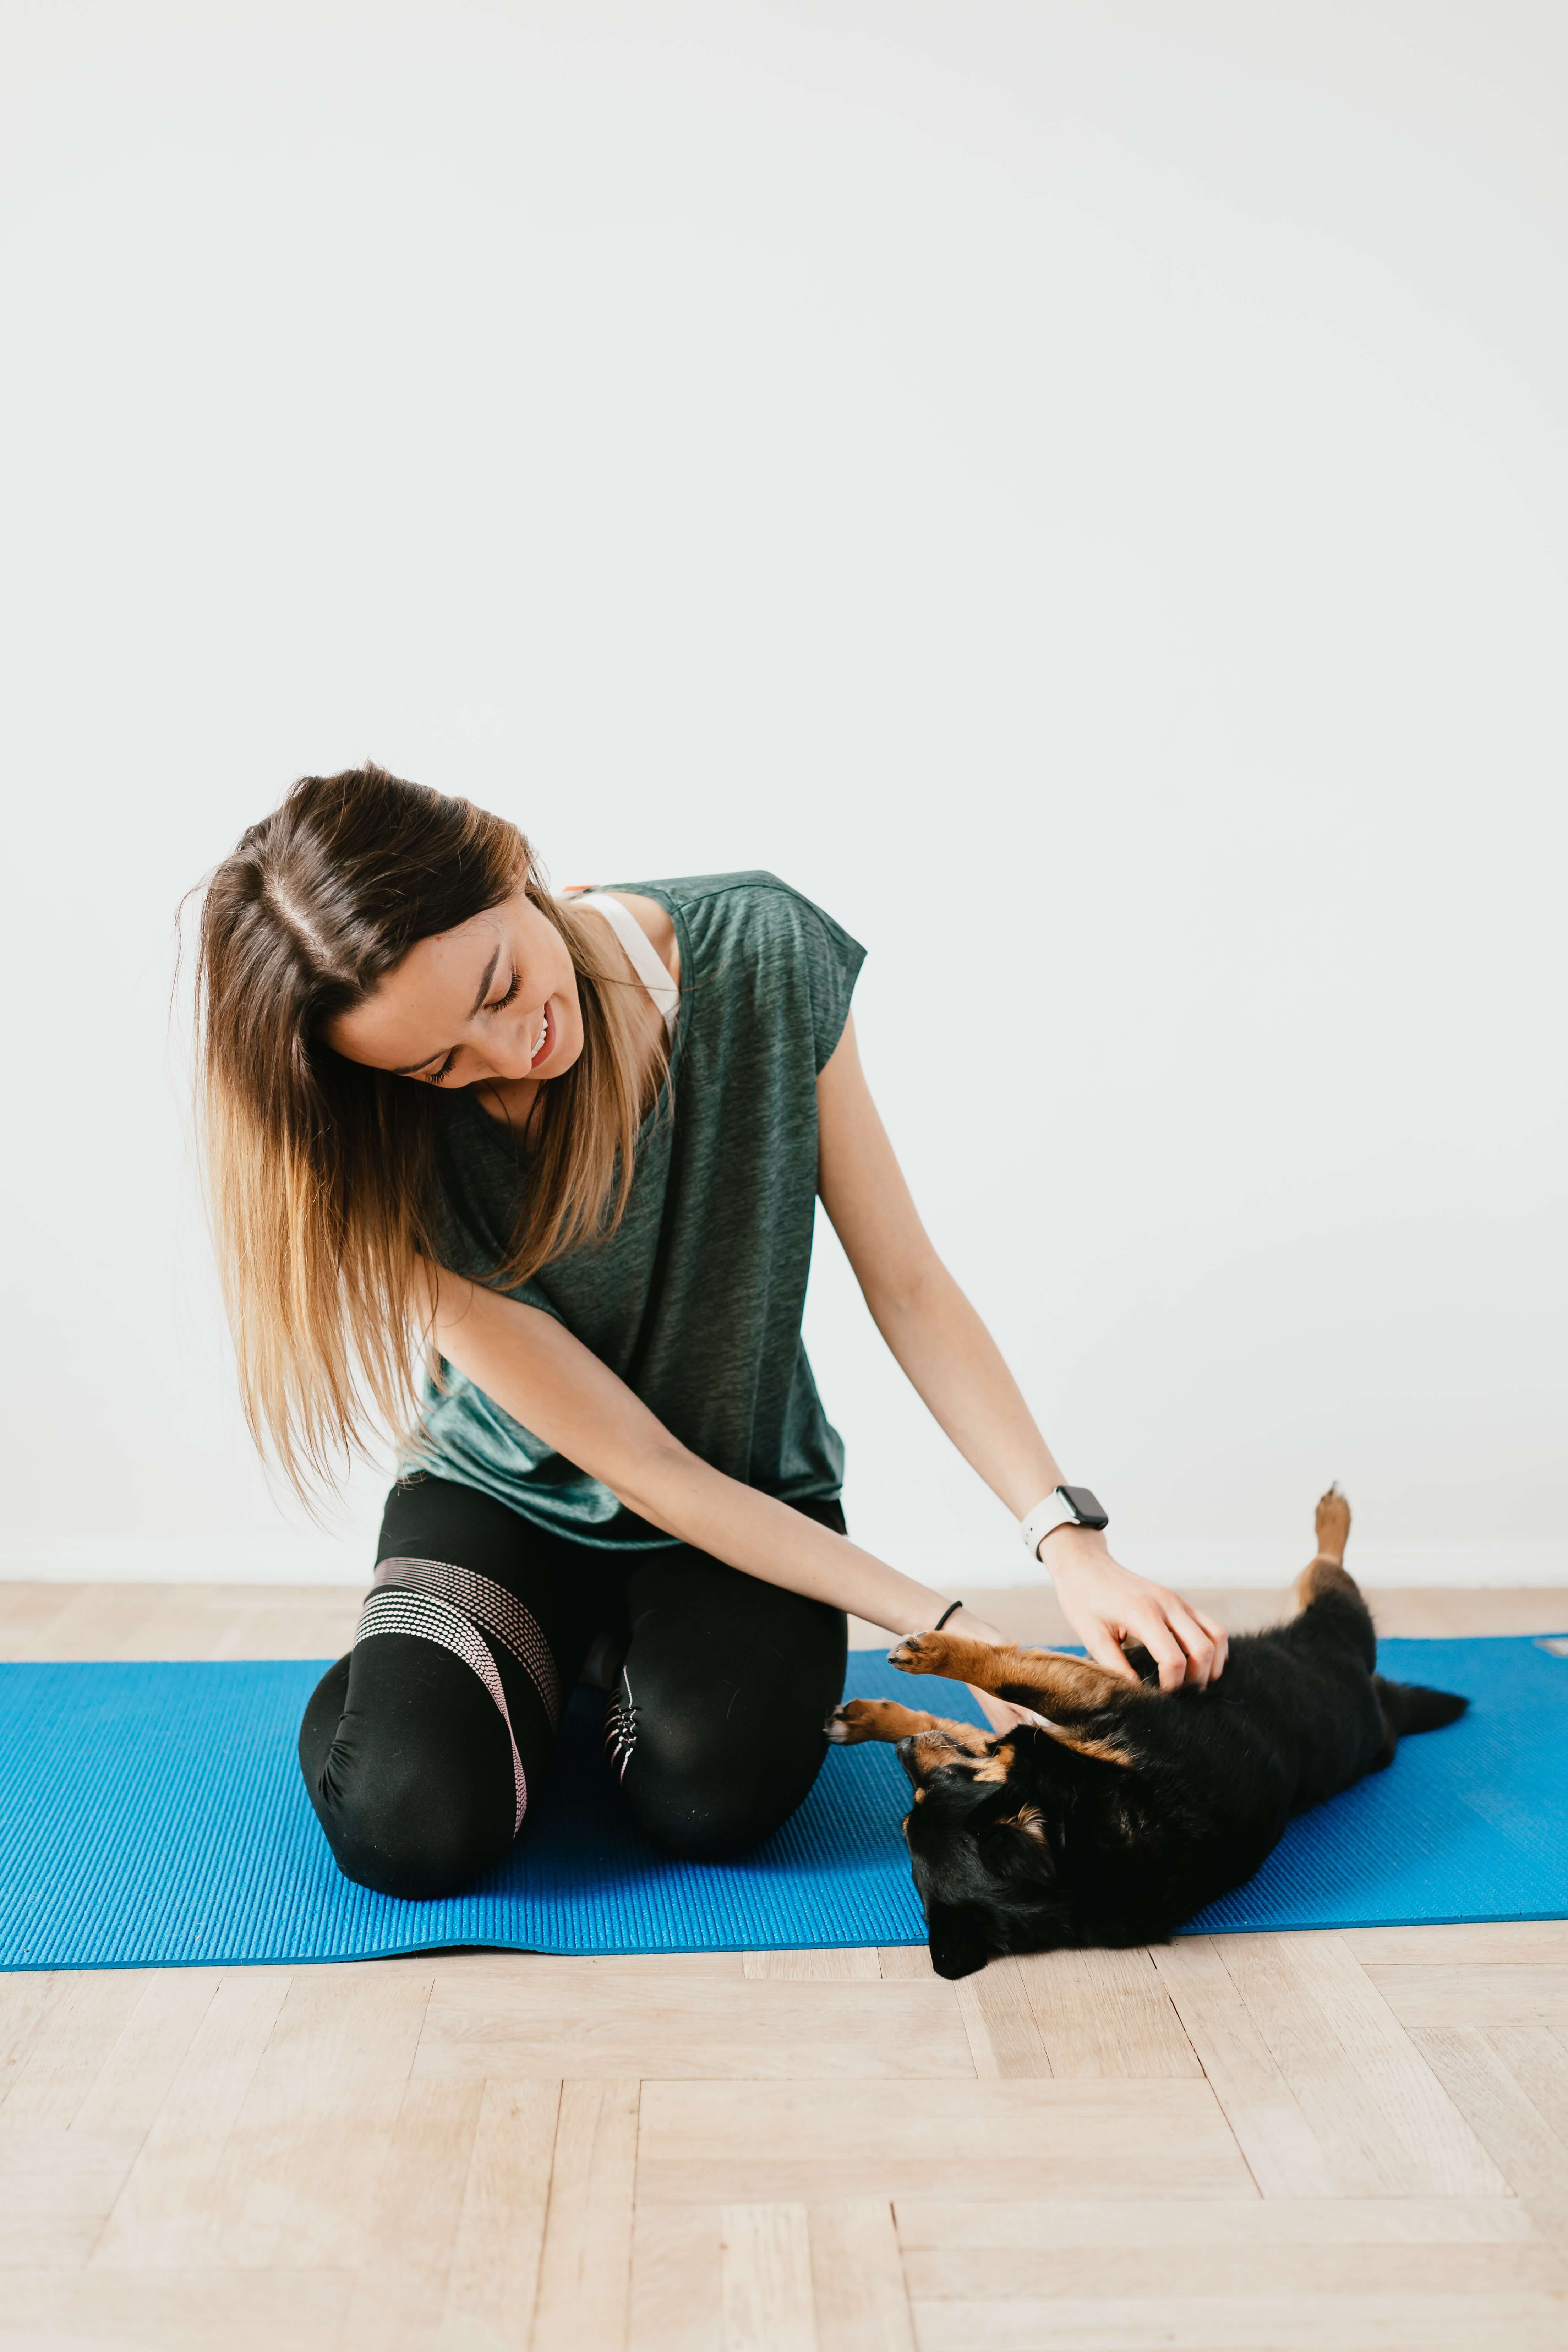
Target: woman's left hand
{"points": [[1106, 1605]]}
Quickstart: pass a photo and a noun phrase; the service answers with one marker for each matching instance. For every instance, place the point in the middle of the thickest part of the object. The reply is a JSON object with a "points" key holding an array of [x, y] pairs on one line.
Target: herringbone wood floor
{"points": [[1246, 2144]]}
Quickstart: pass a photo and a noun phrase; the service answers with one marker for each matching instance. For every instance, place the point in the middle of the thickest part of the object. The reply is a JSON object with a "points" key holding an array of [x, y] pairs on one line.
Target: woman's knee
{"points": [[718, 1719], [706, 1781], [703, 1811], [413, 1803]]}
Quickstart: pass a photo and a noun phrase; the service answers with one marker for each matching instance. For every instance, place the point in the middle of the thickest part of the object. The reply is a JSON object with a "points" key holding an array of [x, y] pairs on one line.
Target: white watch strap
{"points": [[1055, 1511]]}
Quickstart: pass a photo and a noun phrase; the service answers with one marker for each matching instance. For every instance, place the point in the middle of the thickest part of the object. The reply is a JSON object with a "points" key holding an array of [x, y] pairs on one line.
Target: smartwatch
{"points": [[1067, 1506]]}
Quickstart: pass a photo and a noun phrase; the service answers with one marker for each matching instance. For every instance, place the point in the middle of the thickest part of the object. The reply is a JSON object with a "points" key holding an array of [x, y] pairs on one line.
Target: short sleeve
{"points": [[833, 962]]}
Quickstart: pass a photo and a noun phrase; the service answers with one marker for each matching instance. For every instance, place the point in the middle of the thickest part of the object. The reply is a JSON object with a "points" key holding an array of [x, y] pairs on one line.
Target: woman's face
{"points": [[496, 999]]}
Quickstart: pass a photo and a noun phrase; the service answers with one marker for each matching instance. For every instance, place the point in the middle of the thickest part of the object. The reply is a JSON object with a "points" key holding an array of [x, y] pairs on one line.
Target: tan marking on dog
{"points": [[1071, 1684], [1331, 1525], [1323, 1576], [1104, 1750], [997, 1765], [1029, 1819]]}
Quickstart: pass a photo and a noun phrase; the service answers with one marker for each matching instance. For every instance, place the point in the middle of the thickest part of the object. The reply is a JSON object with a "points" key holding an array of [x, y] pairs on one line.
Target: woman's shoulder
{"points": [[750, 904], [765, 948]]}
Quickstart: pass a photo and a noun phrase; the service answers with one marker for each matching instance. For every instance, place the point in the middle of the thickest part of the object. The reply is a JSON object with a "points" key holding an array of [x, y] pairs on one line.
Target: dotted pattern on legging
{"points": [[499, 1612], [388, 1609]]}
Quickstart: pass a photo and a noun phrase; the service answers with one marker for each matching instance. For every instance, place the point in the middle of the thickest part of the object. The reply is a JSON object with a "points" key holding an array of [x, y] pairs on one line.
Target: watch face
{"points": [[1090, 1512]]}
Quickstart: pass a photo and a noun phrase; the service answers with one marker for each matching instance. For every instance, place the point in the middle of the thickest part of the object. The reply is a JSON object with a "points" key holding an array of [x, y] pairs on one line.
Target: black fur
{"points": [[1072, 1849]]}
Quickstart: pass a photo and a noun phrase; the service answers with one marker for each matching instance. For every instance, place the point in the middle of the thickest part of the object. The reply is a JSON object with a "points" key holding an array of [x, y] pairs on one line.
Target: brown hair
{"points": [[321, 1173]]}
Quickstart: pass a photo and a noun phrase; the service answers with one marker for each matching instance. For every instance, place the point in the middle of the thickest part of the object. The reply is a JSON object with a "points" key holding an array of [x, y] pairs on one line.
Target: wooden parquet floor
{"points": [[1241, 2143]]}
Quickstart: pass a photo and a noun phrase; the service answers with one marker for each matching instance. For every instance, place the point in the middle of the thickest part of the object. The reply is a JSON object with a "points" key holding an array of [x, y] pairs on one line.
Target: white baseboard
{"points": [[288, 1556]]}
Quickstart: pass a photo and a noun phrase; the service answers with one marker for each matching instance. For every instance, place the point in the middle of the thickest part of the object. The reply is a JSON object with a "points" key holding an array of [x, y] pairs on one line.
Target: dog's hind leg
{"points": [[1326, 1594], [1326, 1573]]}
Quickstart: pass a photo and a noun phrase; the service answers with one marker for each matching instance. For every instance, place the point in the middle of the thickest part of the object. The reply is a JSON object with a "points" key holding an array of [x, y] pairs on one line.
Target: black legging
{"points": [[424, 1747]]}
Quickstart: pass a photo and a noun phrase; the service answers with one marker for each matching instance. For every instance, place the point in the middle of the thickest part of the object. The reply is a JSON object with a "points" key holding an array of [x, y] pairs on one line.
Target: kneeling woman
{"points": [[571, 1148]]}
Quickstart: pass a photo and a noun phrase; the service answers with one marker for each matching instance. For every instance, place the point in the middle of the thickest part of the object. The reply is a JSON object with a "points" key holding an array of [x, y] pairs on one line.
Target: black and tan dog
{"points": [[1124, 1810]]}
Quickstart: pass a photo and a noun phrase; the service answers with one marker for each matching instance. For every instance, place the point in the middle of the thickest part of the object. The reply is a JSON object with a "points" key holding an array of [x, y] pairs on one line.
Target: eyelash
{"points": [[499, 1006]]}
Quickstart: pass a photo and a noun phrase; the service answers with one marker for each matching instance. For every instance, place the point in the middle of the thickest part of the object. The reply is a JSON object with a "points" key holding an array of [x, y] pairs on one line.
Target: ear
{"points": [[958, 1945]]}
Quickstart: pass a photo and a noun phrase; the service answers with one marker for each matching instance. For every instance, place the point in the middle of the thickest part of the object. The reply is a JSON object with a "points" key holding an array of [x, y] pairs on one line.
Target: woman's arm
{"points": [[955, 1365], [538, 1373]]}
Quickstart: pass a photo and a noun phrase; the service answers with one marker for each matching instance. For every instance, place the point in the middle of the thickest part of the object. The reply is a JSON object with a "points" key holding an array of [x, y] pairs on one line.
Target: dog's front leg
{"points": [[1060, 1687], [884, 1718]]}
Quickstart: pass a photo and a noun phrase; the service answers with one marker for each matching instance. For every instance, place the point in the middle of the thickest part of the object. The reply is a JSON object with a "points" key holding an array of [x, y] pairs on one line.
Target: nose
{"points": [[904, 1749]]}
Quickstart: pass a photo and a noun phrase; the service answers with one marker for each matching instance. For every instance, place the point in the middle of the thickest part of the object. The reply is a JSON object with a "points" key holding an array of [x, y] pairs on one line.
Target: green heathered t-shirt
{"points": [[696, 1300]]}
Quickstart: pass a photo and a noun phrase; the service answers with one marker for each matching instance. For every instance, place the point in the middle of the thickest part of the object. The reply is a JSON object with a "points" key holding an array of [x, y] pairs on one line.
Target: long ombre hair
{"points": [[320, 1172]]}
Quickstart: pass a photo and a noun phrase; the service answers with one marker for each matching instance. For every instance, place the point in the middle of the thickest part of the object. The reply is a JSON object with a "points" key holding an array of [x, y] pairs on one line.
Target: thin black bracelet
{"points": [[952, 1609]]}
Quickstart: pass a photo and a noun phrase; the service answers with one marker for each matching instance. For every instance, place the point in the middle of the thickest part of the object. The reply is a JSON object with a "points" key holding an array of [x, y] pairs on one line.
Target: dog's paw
{"points": [[921, 1653], [1332, 1521], [848, 1723]]}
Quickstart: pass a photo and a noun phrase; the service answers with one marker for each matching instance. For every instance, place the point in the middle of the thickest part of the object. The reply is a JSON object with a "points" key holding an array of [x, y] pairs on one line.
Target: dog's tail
{"points": [[1411, 1707]]}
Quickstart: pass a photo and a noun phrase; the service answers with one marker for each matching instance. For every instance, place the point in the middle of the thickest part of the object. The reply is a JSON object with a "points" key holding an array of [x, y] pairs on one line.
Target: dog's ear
{"points": [[957, 1939]]}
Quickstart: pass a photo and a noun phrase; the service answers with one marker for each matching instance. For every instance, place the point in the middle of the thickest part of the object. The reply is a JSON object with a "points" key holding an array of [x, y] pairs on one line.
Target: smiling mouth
{"points": [[546, 1039]]}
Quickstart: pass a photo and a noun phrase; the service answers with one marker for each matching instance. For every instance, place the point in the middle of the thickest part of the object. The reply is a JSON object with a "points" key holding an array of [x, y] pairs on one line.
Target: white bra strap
{"points": [[643, 956]]}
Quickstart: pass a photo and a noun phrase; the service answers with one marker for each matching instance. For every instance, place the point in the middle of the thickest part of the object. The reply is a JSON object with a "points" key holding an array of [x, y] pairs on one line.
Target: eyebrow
{"points": [[441, 1052]]}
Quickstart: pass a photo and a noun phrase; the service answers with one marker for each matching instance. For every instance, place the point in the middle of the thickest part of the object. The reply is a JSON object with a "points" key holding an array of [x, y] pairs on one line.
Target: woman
{"points": [[570, 1149]]}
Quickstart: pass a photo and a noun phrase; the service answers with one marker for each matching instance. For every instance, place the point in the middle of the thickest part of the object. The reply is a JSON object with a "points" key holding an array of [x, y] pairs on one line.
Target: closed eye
{"points": [[496, 1004]]}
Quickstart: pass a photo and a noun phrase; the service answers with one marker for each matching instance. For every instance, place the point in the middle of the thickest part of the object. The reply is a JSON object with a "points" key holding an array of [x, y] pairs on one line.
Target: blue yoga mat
{"points": [[154, 1815]]}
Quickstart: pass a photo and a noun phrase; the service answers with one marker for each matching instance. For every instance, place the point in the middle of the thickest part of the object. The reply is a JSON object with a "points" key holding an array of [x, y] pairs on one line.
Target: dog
{"points": [[1120, 1811]]}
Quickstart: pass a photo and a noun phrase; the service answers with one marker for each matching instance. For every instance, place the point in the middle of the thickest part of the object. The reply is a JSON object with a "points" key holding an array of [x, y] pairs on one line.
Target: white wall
{"points": [[1081, 489]]}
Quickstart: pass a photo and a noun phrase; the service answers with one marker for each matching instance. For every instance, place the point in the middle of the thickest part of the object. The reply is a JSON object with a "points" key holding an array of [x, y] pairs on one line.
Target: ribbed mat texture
{"points": [[154, 1815]]}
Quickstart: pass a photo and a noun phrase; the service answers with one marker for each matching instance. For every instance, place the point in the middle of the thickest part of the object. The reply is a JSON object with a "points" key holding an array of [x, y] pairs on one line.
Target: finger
{"points": [[1105, 1649], [1192, 1637], [1163, 1647], [1220, 1639]]}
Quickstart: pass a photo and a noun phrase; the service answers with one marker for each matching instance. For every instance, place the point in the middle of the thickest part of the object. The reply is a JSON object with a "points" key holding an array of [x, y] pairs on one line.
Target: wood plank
{"points": [[1112, 2223], [1531, 2156], [787, 2142], [1107, 2013], [298, 2178], [400, 2292], [104, 1621], [28, 1613], [1477, 1993], [484, 1972], [677, 2298], [26, 1997], [858, 2277], [585, 2271], [999, 2019], [1181, 2273], [1285, 2154], [1377, 2111], [55, 2191], [1280, 2323], [139, 2071], [173, 2311], [844, 1967], [71, 2045], [165, 2216], [740, 2029], [1511, 1942], [1537, 2058], [768, 2301], [898, 1962], [493, 2281]]}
